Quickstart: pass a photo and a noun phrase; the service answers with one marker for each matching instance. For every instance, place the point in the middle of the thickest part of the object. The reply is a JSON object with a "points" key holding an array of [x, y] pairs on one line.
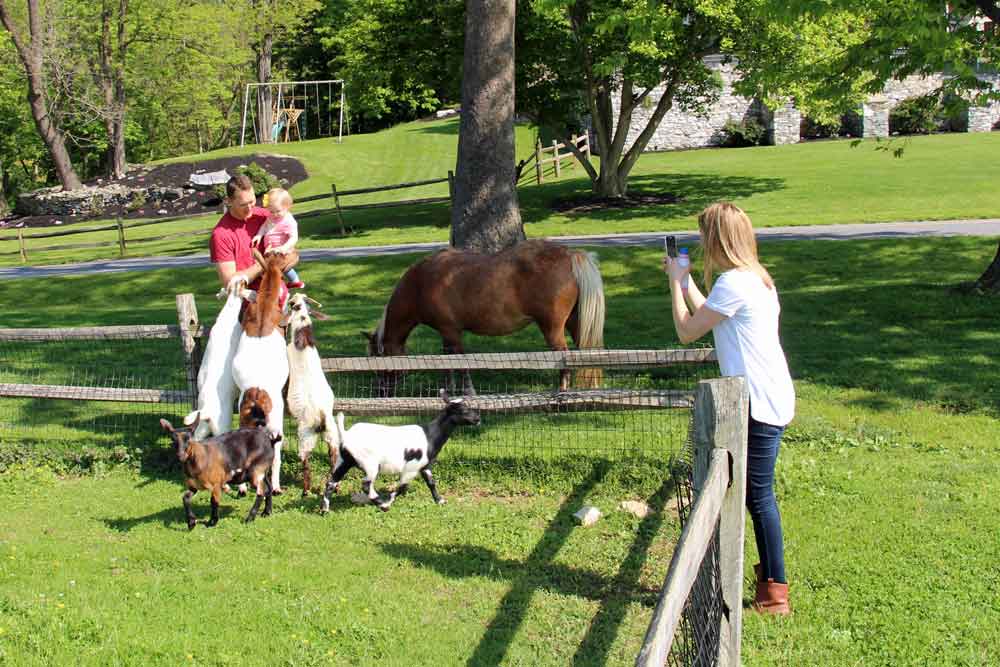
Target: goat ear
{"points": [[166, 426], [317, 315]]}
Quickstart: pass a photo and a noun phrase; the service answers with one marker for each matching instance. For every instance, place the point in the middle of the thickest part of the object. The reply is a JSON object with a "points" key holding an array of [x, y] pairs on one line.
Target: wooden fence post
{"points": [[538, 161], [187, 320], [336, 202], [20, 243], [121, 235], [572, 162], [555, 155], [721, 415], [586, 145]]}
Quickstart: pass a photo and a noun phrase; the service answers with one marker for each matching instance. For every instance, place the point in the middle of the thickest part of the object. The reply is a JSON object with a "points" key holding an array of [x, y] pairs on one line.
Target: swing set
{"points": [[294, 110]]}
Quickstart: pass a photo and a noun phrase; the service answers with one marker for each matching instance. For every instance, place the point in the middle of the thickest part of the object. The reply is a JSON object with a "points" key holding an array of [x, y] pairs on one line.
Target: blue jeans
{"points": [[762, 452]]}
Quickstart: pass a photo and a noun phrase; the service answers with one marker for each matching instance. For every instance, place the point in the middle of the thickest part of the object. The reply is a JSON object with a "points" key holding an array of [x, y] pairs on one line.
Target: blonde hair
{"points": [[728, 241], [280, 197]]}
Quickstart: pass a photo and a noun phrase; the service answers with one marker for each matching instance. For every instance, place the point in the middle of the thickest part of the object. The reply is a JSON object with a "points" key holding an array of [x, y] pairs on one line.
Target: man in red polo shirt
{"points": [[230, 245]]}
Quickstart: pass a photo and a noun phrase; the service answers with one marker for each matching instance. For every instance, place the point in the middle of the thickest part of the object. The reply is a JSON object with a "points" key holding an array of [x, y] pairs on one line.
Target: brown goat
{"points": [[264, 314], [254, 408], [244, 455]]}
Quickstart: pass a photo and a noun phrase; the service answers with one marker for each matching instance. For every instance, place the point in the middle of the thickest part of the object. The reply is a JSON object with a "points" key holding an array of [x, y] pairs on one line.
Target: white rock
{"points": [[588, 515], [635, 508], [162, 211]]}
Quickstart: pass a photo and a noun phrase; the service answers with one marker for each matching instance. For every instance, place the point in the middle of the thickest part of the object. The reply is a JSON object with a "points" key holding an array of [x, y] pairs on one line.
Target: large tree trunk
{"points": [[31, 57], [990, 280], [265, 117], [485, 216]]}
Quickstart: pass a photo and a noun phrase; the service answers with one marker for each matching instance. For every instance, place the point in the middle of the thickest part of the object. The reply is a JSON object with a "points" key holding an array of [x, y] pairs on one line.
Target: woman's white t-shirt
{"points": [[747, 343]]}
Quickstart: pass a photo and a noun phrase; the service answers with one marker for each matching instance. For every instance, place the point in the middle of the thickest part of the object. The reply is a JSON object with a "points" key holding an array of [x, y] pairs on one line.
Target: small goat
{"points": [[405, 450], [310, 399], [261, 360], [243, 455], [216, 387]]}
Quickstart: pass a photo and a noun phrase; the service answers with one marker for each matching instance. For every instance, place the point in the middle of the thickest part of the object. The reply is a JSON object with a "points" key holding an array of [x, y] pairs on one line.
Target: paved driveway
{"points": [[881, 230]]}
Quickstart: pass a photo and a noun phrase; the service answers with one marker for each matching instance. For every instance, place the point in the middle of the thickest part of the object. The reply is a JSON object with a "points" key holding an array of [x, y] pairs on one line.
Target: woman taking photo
{"points": [[742, 313]]}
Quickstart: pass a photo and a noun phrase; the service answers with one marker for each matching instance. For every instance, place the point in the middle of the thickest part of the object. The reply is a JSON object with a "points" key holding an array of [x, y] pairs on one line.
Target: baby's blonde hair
{"points": [[729, 243], [280, 197]]}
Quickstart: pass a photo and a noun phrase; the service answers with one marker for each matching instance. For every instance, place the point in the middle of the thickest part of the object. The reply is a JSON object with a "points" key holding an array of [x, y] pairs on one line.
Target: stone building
{"points": [[680, 129]]}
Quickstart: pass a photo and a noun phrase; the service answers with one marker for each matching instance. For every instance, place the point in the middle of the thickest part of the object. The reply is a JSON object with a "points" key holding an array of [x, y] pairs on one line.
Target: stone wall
{"points": [[680, 129], [90, 201]]}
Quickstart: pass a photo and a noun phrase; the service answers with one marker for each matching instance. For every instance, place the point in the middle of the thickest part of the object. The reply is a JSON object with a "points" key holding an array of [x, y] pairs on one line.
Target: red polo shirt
{"points": [[231, 239]]}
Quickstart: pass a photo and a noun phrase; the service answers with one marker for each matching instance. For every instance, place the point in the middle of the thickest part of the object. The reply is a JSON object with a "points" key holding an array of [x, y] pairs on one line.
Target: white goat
{"points": [[216, 387], [261, 359], [310, 399], [405, 450]]}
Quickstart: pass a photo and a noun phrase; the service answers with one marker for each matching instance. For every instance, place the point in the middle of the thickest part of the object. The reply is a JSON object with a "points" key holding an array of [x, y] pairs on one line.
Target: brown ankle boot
{"points": [[771, 598]]}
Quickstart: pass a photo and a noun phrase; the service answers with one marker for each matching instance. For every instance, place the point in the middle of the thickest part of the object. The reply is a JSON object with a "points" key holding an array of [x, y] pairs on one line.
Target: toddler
{"points": [[281, 232]]}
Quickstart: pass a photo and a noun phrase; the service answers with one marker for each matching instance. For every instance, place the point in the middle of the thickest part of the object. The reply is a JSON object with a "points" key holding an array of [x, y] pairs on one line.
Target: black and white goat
{"points": [[244, 455], [310, 399], [404, 450]]}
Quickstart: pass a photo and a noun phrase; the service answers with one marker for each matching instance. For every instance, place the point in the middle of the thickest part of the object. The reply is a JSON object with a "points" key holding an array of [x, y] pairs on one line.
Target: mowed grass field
{"points": [[941, 177], [887, 483]]}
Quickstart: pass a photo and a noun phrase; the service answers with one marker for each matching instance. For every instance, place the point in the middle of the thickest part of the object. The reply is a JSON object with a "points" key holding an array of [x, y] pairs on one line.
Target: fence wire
{"points": [[697, 641], [110, 389]]}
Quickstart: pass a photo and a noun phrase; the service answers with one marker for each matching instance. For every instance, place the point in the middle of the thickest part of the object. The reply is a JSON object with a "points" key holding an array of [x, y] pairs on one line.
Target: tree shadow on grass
{"points": [[693, 192], [538, 572]]}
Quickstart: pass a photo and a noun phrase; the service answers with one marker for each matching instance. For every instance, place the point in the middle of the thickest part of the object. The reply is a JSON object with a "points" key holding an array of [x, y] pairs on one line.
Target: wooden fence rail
{"points": [[123, 242], [582, 143], [719, 480]]}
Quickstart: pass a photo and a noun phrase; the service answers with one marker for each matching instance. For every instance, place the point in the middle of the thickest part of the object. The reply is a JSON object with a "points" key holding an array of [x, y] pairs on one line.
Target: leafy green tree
{"points": [[897, 38], [30, 42]]}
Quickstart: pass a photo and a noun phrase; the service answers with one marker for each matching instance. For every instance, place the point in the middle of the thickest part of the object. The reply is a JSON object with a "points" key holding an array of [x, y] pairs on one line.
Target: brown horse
{"points": [[452, 291]]}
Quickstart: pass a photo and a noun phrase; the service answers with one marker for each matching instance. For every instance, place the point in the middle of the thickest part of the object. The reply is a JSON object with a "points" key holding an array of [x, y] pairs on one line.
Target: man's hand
{"points": [[255, 241], [236, 282]]}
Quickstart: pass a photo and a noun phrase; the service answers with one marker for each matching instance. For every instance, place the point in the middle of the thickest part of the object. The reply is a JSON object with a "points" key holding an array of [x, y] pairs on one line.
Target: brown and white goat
{"points": [[261, 360], [238, 456]]}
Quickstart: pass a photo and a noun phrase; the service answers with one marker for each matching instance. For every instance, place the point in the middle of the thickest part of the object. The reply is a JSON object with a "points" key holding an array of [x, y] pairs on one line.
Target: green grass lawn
{"points": [[939, 177], [887, 485]]}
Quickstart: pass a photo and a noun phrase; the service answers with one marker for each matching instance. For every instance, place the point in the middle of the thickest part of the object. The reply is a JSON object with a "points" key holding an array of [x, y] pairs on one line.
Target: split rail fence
{"points": [[51, 380], [582, 144]]}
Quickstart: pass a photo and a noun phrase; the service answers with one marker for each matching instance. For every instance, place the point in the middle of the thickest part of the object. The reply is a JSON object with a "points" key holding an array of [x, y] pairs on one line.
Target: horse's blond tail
{"points": [[589, 312]]}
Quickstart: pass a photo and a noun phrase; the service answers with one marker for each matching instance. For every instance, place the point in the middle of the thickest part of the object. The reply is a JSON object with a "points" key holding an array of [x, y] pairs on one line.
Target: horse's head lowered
{"points": [[387, 381]]}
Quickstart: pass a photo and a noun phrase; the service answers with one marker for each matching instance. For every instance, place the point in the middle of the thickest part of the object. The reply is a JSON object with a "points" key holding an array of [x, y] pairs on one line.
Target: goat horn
{"points": [[313, 301]]}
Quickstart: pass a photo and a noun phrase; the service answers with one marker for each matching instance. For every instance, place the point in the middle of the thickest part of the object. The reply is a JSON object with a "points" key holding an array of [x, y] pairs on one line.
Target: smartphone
{"points": [[670, 245]]}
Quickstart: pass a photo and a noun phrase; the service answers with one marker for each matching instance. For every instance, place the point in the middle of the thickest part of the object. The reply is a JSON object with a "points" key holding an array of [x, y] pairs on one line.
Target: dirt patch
{"points": [[589, 203], [174, 175]]}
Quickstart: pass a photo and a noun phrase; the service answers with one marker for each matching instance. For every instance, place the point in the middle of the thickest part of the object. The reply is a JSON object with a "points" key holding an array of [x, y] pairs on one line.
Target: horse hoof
{"points": [[277, 492], [192, 524], [384, 507], [440, 501]]}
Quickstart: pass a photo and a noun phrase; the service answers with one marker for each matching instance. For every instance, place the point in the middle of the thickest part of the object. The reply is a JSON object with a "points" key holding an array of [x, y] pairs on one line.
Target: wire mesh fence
{"points": [[109, 386], [697, 639]]}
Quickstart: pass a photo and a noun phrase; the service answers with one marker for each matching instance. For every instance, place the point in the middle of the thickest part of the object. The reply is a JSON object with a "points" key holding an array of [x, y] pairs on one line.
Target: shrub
{"points": [[917, 115], [812, 128], [737, 133], [263, 180]]}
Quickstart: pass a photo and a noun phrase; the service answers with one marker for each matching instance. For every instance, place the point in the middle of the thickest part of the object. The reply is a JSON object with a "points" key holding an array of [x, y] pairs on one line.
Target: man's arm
{"points": [[227, 271]]}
